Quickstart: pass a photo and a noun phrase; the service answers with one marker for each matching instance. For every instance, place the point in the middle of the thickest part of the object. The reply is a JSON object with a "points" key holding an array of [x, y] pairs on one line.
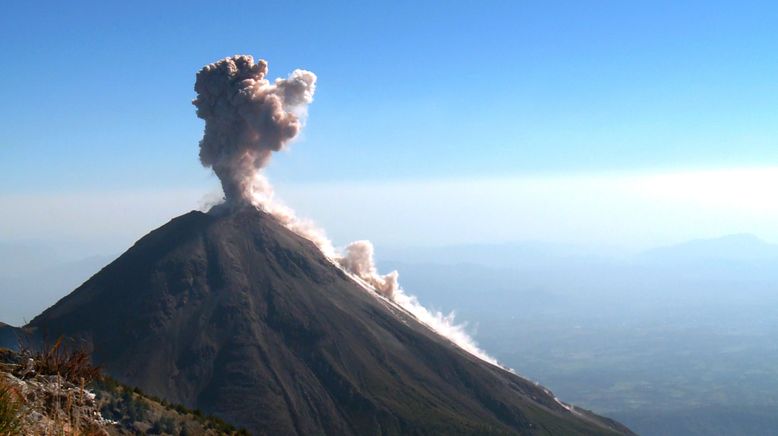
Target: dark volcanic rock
{"points": [[238, 316]]}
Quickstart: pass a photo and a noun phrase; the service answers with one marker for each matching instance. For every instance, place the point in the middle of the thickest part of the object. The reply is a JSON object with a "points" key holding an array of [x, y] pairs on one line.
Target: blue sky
{"points": [[96, 95]]}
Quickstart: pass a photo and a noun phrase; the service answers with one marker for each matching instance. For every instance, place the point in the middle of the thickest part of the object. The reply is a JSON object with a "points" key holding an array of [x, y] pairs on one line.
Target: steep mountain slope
{"points": [[237, 316]]}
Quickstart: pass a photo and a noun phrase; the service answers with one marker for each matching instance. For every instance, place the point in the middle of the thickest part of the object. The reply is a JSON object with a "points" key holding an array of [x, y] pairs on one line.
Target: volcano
{"points": [[234, 314]]}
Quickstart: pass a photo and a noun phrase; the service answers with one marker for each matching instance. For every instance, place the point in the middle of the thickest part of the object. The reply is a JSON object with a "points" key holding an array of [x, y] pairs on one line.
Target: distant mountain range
{"points": [[739, 248]]}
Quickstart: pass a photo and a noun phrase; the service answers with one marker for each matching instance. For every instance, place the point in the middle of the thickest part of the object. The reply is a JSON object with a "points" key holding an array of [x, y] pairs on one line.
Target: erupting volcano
{"points": [[250, 313]]}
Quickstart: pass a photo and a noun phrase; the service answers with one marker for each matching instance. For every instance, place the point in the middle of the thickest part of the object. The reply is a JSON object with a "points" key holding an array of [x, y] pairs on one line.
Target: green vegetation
{"points": [[129, 406]]}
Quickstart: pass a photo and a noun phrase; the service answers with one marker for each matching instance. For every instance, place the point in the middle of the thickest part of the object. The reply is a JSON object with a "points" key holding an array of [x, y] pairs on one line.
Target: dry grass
{"points": [[54, 379], [74, 365], [11, 410]]}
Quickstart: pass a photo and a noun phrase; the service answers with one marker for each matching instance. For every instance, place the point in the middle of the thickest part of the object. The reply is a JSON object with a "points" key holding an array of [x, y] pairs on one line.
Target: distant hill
{"points": [[35, 285], [735, 248]]}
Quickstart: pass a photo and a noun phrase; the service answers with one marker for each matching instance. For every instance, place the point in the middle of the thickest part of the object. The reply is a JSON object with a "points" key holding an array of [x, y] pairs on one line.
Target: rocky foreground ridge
{"points": [[56, 392]]}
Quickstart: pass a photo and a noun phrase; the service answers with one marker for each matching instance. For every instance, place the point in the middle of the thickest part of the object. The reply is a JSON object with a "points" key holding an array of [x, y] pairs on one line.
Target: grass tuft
{"points": [[74, 365], [11, 411]]}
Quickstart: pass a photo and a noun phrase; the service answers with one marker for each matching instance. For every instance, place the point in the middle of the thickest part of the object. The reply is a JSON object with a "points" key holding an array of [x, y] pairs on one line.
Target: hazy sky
{"points": [[621, 123]]}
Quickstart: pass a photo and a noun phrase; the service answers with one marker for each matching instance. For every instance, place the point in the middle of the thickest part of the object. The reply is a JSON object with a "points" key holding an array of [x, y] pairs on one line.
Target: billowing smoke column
{"points": [[247, 118]]}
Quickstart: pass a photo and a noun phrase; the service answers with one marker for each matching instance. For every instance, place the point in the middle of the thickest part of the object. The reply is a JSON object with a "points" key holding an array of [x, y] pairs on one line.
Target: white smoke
{"points": [[246, 119], [358, 261], [262, 196], [444, 325]]}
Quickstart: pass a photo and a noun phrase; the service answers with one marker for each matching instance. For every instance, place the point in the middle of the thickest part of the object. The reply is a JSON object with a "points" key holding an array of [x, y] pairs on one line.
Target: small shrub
{"points": [[11, 410], [74, 365], [164, 425]]}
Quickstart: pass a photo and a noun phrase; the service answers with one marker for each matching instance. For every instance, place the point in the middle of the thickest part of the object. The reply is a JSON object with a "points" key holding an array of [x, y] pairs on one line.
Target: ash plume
{"points": [[246, 119], [358, 260]]}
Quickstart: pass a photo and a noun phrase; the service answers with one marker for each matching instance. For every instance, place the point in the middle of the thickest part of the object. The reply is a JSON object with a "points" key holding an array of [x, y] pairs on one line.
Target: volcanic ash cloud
{"points": [[247, 118]]}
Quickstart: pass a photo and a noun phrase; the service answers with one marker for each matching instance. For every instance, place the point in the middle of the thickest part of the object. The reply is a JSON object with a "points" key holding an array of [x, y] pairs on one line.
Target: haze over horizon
{"points": [[490, 114], [603, 212]]}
